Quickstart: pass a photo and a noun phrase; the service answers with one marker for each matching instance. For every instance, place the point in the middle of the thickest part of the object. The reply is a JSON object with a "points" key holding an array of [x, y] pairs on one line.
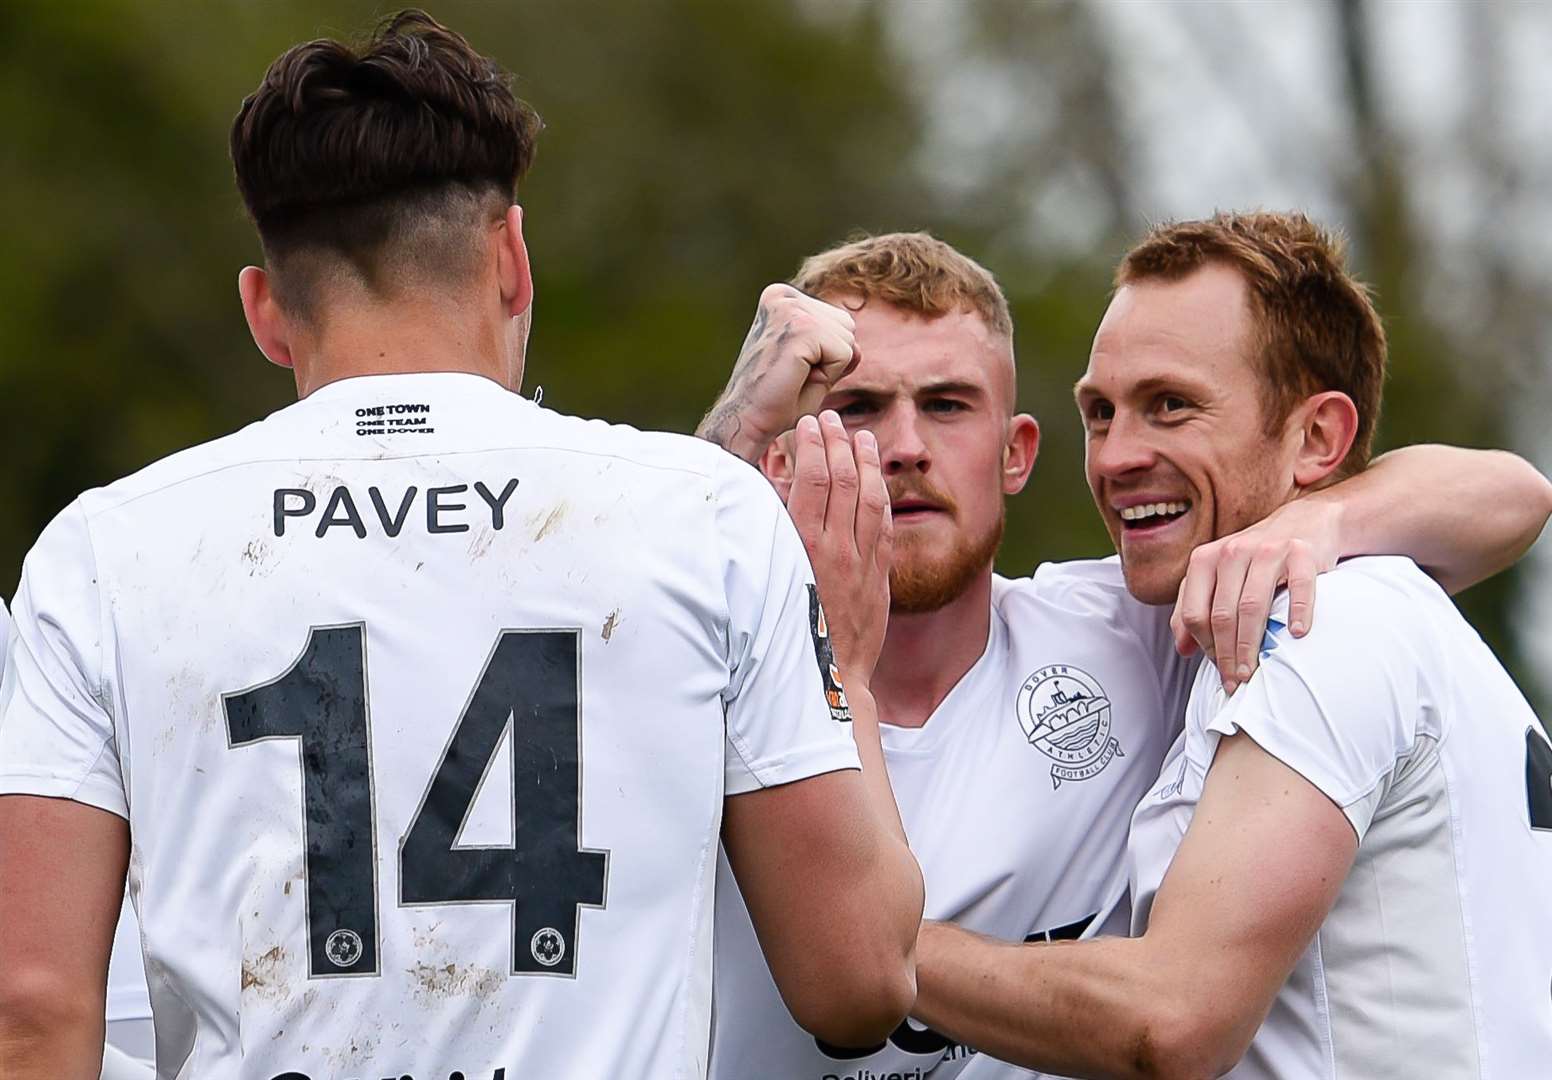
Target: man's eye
{"points": [[854, 409], [945, 405], [1101, 410], [1173, 403]]}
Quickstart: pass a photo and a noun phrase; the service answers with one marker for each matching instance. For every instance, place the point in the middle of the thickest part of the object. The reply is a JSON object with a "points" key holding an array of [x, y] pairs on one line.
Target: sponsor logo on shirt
{"points": [[824, 652], [1066, 716]]}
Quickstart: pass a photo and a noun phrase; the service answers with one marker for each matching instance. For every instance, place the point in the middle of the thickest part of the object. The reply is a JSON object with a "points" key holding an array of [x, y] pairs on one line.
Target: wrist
{"points": [[1339, 524], [747, 444], [732, 430]]}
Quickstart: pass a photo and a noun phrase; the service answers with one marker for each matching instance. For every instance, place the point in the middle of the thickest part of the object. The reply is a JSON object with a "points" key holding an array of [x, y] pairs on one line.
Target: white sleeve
{"points": [[5, 635], [1339, 706], [56, 729], [786, 713]]}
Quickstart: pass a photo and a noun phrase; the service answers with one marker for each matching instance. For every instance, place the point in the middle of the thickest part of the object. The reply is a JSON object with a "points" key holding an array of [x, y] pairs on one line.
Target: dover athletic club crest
{"points": [[1066, 716]]}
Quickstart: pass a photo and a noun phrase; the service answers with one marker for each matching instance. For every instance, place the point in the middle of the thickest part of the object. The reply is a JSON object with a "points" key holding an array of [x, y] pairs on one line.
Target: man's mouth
{"points": [[913, 509], [1151, 516]]}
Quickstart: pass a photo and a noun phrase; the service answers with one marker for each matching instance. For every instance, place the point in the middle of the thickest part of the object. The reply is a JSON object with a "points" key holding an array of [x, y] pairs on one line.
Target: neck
{"points": [[379, 339], [925, 655]]}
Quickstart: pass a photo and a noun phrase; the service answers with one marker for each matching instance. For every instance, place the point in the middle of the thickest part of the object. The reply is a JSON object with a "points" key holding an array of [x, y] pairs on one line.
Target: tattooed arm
{"points": [[796, 349]]}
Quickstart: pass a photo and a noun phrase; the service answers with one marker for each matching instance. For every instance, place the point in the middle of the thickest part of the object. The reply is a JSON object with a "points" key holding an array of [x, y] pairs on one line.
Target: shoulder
{"points": [[1371, 603], [1073, 581], [1093, 588], [1373, 646], [657, 450], [180, 467], [1087, 598]]}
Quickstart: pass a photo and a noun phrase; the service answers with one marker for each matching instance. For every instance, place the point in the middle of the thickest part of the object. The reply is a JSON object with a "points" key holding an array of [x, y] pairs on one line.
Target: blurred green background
{"points": [[697, 149]]}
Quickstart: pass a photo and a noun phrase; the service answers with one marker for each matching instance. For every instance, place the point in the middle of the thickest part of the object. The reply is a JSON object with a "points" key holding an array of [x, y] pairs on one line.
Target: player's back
{"points": [[418, 695]]}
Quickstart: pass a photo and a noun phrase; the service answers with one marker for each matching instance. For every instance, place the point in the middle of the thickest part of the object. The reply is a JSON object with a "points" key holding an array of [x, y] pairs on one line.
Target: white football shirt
{"points": [[1016, 797], [421, 702], [1435, 960]]}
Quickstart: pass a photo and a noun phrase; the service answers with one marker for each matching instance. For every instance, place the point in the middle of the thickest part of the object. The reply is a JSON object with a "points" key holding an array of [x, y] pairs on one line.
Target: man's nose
{"points": [[1123, 448], [901, 446]]}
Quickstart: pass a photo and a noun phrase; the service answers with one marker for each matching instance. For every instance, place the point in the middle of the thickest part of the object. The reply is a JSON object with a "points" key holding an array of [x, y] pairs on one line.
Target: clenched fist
{"points": [[797, 348]]}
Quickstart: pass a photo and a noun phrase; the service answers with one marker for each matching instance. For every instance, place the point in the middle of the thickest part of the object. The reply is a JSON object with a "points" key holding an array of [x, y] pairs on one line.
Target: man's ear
{"points": [[266, 322], [512, 270], [1019, 453], [776, 464], [1328, 423]]}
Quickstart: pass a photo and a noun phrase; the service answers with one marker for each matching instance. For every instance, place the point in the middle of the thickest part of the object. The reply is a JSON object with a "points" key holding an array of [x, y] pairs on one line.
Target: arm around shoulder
{"points": [[1462, 515]]}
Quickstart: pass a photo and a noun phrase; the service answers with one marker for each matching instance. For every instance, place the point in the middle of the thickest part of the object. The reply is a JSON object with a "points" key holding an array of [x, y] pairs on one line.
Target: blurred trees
{"points": [[694, 150]]}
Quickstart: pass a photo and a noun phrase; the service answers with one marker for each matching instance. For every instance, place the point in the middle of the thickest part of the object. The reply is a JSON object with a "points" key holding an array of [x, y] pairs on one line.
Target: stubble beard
{"points": [[919, 583]]}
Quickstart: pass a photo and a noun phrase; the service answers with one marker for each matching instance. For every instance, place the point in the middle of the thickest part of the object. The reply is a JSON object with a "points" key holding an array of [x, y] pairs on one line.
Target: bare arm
{"points": [[1462, 515], [835, 898], [832, 889], [1259, 868], [62, 870]]}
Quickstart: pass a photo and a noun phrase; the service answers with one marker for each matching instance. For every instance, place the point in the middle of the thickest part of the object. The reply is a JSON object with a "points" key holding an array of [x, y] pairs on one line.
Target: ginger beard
{"points": [[928, 573]]}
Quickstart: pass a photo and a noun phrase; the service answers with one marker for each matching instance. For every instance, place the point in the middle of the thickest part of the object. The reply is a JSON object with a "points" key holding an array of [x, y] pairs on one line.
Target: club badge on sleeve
{"points": [[824, 652], [1066, 716]]}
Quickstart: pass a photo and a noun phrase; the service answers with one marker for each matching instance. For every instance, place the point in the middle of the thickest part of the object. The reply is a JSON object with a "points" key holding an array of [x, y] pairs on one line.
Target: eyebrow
{"points": [[952, 386], [1083, 388], [945, 386]]}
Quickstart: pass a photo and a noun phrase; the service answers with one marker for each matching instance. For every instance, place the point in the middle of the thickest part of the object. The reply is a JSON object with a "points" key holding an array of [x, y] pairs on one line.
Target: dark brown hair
{"points": [[914, 271], [1316, 324], [371, 159]]}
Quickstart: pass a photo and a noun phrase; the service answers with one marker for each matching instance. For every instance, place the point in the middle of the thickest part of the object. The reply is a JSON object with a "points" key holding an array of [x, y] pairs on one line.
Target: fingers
{"points": [[1302, 567], [1233, 565], [1192, 621], [1185, 644], [1266, 573], [872, 496], [840, 519], [810, 490]]}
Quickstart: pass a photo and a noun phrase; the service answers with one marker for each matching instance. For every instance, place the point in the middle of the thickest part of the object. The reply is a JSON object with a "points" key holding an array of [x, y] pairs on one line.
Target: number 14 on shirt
{"points": [[530, 682]]}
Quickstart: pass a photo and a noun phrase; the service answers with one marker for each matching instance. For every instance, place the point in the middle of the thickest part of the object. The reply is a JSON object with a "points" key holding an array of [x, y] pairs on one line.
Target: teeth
{"points": [[1148, 510]]}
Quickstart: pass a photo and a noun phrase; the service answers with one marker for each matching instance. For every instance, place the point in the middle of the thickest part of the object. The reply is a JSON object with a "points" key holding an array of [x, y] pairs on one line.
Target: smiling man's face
{"points": [[1177, 452], [937, 393]]}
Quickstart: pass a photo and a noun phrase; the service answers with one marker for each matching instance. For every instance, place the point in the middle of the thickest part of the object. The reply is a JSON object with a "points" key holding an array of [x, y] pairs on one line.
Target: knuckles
{"points": [[778, 292], [1204, 558]]}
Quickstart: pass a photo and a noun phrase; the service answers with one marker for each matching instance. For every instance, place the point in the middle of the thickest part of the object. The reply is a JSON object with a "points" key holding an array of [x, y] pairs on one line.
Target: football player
{"points": [[415, 711], [1344, 867], [1025, 718]]}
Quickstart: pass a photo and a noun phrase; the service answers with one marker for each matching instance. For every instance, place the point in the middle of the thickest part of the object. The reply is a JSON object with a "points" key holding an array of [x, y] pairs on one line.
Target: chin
{"points": [[1152, 584]]}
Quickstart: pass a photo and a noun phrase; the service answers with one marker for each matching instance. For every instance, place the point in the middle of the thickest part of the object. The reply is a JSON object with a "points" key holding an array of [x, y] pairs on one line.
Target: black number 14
{"points": [[530, 685]]}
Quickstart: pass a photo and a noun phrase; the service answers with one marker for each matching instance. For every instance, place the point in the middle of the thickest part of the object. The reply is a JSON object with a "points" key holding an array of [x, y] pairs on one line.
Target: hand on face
{"points": [[797, 348], [840, 506], [1226, 597]]}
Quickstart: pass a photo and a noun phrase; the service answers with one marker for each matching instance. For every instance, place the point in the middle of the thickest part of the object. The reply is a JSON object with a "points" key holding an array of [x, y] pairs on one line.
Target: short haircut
{"points": [[1316, 325], [914, 271], [377, 162]]}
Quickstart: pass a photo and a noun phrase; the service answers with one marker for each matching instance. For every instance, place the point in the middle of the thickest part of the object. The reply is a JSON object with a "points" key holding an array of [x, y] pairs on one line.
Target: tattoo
{"points": [[724, 421], [721, 426]]}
